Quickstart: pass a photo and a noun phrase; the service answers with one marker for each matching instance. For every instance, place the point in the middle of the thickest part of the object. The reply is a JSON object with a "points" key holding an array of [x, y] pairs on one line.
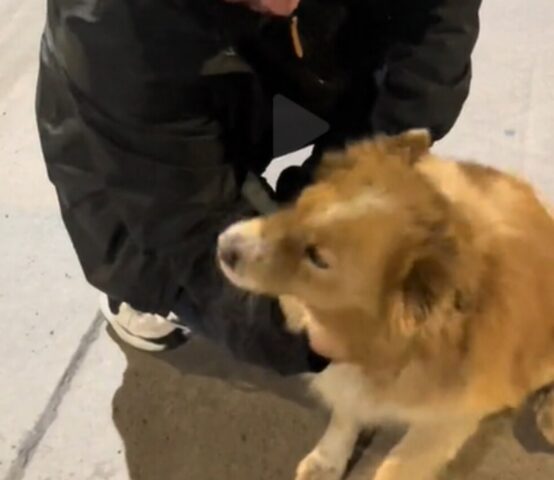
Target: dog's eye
{"points": [[314, 256]]}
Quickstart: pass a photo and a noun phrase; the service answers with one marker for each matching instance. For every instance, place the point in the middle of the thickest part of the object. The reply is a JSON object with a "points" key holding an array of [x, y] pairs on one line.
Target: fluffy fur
{"points": [[429, 282]]}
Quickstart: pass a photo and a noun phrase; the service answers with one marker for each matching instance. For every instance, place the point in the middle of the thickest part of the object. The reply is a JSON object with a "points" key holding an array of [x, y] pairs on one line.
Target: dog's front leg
{"points": [[328, 460], [426, 449]]}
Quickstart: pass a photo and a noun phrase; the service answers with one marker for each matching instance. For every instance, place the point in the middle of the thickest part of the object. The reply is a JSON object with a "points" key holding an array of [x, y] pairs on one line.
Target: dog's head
{"points": [[370, 225]]}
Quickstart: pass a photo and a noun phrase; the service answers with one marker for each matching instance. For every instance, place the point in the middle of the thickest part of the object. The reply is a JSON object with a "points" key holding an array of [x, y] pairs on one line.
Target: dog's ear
{"points": [[411, 145], [333, 162], [423, 286], [423, 274]]}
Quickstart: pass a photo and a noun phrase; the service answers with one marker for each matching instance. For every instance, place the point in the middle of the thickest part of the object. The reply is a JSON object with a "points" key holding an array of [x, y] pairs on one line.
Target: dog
{"points": [[428, 282]]}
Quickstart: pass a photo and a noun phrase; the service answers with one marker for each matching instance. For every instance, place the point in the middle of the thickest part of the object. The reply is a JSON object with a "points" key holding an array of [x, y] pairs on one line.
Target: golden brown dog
{"points": [[430, 283]]}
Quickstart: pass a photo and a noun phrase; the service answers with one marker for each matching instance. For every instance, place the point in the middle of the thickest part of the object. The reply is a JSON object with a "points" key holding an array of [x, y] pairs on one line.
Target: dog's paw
{"points": [[317, 467], [545, 415], [392, 469]]}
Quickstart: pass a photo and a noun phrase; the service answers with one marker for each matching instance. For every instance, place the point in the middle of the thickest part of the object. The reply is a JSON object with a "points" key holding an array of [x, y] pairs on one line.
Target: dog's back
{"points": [[514, 231]]}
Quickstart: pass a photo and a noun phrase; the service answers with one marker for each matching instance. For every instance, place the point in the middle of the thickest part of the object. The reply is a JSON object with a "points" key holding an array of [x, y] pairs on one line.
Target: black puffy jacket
{"points": [[152, 112]]}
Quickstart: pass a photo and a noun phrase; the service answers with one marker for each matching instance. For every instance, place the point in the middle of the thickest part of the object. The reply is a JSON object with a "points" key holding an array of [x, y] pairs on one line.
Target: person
{"points": [[156, 123]]}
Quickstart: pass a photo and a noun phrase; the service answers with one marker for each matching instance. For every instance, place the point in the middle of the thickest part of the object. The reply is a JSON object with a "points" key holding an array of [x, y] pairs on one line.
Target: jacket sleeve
{"points": [[126, 113], [428, 68]]}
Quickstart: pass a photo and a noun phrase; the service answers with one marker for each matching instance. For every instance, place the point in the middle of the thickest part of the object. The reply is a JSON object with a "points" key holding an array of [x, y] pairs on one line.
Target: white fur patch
{"points": [[545, 203], [354, 208], [251, 228]]}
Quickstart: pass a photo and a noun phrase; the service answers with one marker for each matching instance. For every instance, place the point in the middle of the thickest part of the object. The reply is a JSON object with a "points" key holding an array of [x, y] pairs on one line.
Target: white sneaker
{"points": [[145, 331]]}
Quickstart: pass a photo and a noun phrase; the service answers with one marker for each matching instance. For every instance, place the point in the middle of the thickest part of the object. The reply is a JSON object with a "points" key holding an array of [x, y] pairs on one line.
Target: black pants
{"points": [[264, 343]]}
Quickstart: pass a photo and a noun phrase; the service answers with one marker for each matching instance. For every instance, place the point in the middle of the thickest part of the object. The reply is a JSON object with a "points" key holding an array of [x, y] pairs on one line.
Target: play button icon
{"points": [[294, 127]]}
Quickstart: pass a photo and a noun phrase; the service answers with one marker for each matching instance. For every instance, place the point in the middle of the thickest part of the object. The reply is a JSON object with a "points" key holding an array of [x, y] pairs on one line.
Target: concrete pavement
{"points": [[76, 405]]}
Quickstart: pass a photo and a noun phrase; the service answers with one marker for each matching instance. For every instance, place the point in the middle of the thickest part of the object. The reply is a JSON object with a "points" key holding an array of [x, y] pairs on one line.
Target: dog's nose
{"points": [[228, 250], [230, 256]]}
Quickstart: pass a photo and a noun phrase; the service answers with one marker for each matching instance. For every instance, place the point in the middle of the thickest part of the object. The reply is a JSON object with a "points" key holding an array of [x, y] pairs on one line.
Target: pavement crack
{"points": [[34, 437]]}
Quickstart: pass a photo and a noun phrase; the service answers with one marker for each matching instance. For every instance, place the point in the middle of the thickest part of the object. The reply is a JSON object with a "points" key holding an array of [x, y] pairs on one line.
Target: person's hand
{"points": [[281, 8]]}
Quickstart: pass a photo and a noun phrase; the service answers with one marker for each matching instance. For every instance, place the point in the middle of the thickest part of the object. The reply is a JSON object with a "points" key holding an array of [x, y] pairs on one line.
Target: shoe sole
{"points": [[170, 341]]}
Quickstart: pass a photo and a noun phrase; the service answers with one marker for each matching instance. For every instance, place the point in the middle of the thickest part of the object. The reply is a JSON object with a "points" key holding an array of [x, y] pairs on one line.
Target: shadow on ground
{"points": [[197, 414]]}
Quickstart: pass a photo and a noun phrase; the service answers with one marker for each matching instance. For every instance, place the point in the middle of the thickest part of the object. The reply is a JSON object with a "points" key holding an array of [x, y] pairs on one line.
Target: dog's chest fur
{"points": [[344, 387]]}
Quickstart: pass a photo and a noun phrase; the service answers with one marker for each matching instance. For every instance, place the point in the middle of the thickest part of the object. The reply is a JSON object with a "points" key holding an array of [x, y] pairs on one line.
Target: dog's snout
{"points": [[240, 246]]}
